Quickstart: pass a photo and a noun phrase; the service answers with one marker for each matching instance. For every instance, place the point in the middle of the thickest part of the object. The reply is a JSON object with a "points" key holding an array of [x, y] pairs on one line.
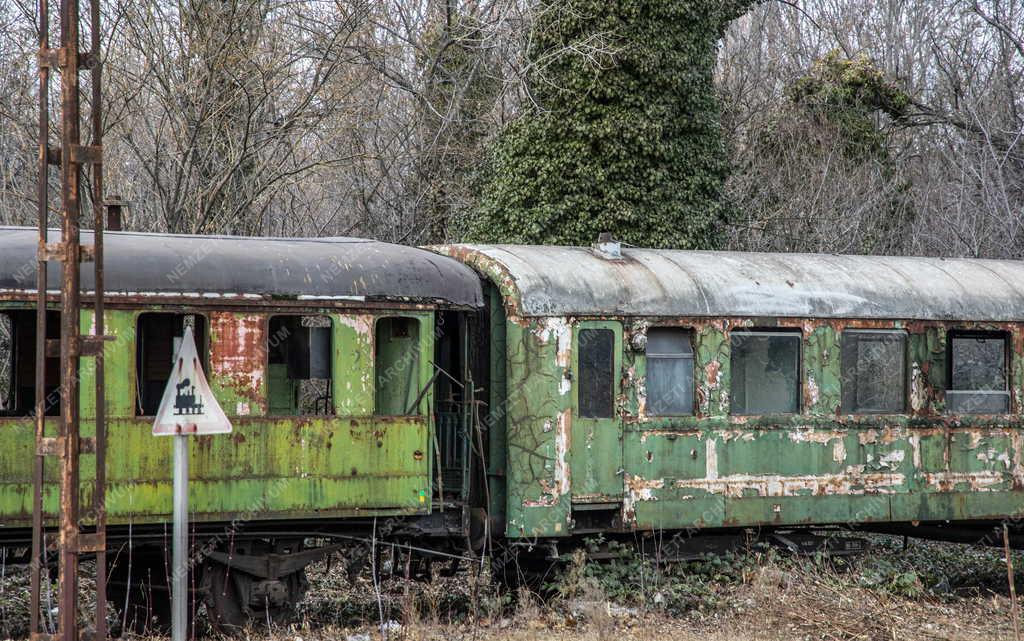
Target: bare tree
{"points": [[952, 154]]}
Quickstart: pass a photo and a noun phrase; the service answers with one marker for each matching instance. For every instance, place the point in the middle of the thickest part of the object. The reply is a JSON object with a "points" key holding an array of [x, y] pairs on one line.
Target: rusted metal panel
{"points": [[715, 469], [238, 268], [645, 282], [238, 362]]}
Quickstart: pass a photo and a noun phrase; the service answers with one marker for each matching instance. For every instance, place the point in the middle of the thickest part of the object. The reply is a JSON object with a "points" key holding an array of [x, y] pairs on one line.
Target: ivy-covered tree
{"points": [[822, 170], [625, 137]]}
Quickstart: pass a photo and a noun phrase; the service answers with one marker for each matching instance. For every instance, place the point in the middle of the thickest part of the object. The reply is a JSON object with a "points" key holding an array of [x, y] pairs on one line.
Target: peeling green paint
{"points": [[718, 470], [822, 377], [349, 464]]}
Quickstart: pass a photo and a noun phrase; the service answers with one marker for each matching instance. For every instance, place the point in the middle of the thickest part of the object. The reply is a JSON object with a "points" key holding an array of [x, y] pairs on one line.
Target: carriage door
{"points": [[596, 447]]}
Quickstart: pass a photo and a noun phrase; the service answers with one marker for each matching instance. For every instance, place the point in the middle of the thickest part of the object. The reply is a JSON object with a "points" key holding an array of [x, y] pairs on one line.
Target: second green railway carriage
{"points": [[646, 390]]}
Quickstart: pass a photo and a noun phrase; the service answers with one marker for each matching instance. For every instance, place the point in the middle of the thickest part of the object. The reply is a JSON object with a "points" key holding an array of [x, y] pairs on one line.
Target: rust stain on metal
{"points": [[238, 356], [985, 481]]}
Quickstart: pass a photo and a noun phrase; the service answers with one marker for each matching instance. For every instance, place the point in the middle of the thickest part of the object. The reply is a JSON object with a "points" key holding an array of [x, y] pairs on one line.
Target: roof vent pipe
{"points": [[607, 246]]}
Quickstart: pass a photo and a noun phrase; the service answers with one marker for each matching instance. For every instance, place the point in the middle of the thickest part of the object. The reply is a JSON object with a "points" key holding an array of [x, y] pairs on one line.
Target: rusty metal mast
{"points": [[68, 446]]}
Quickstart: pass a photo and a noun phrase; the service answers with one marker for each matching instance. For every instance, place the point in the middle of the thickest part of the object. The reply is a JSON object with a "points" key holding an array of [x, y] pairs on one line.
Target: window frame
{"points": [[904, 379], [52, 396], [800, 374], [689, 334], [203, 349], [267, 318], [1001, 334], [613, 387]]}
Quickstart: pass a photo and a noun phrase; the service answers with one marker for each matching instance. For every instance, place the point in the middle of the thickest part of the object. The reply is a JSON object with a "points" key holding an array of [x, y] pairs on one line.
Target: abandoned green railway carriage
{"points": [[640, 389], [323, 353]]}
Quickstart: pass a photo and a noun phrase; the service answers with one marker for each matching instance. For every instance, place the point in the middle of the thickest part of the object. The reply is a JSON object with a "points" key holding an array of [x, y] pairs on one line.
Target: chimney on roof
{"points": [[607, 246], [114, 219]]}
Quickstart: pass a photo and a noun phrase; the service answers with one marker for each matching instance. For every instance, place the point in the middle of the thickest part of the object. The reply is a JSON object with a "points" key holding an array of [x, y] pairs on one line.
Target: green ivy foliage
{"points": [[626, 138], [849, 92]]}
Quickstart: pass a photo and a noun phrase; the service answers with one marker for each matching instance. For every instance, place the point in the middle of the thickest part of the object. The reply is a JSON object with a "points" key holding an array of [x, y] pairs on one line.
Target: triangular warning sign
{"points": [[188, 405]]}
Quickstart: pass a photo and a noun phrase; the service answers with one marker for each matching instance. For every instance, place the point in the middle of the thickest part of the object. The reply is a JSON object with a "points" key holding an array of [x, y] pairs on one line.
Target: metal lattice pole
{"points": [[69, 444]]}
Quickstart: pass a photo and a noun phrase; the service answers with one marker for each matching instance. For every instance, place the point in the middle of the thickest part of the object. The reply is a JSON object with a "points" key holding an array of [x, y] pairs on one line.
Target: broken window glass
{"points": [[978, 373], [874, 371], [18, 364], [6, 363], [669, 372], [397, 366], [765, 372], [157, 340], [299, 362], [597, 373]]}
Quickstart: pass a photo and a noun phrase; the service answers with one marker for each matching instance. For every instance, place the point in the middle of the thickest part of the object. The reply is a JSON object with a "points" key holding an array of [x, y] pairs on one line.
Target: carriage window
{"points": [[765, 372], [299, 365], [669, 372], [397, 366], [157, 339], [597, 373], [874, 371], [18, 364], [978, 373]]}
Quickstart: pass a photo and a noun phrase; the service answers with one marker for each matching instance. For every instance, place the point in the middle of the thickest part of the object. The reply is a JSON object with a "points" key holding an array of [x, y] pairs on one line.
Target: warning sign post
{"points": [[188, 408]]}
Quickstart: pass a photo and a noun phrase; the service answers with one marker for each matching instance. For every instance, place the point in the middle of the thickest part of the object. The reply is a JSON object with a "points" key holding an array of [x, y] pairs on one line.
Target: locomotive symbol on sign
{"points": [[188, 405], [186, 401]]}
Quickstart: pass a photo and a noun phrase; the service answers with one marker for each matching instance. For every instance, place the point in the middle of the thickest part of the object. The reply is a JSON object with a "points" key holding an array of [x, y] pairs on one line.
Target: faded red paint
{"points": [[238, 359]]}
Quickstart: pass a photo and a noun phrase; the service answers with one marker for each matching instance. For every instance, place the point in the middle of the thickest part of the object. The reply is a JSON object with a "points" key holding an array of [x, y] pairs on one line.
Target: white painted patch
{"points": [[839, 450], [562, 439], [776, 485], [975, 481], [711, 462], [892, 459], [915, 450], [362, 323], [812, 390]]}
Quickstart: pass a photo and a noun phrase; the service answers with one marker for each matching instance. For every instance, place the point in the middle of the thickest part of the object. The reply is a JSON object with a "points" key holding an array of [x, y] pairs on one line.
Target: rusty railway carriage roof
{"points": [[561, 281], [215, 267]]}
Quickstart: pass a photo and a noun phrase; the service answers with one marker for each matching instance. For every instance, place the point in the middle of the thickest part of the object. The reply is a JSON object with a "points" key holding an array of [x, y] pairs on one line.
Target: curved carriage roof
{"points": [[561, 281], [242, 267]]}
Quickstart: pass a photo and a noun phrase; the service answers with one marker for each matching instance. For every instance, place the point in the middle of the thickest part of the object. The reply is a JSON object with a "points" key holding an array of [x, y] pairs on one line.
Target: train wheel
{"points": [[235, 599], [223, 600]]}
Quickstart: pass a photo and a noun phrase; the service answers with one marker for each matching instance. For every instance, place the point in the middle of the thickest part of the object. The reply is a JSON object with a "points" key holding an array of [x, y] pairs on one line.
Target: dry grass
{"points": [[767, 599]]}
